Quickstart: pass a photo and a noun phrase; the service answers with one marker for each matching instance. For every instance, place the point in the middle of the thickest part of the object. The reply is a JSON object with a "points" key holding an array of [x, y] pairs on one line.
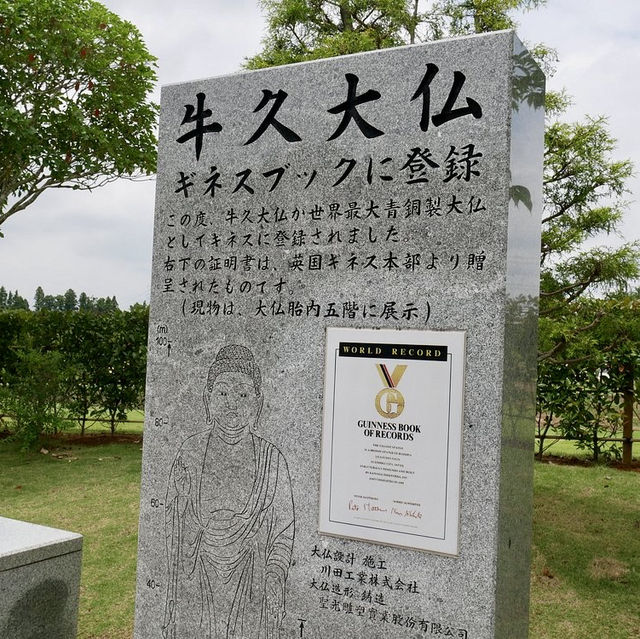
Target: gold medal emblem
{"points": [[389, 401]]}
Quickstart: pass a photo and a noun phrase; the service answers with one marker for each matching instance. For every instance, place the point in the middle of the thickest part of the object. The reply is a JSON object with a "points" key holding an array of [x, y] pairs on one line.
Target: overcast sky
{"points": [[100, 242]]}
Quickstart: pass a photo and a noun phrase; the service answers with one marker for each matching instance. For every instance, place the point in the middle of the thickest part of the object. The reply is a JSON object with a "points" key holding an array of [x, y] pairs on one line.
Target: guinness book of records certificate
{"points": [[392, 435]]}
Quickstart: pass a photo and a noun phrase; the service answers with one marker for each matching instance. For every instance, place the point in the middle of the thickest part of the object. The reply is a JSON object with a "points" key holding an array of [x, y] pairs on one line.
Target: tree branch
{"points": [[569, 287], [297, 37], [563, 209], [562, 343], [24, 202], [581, 288]]}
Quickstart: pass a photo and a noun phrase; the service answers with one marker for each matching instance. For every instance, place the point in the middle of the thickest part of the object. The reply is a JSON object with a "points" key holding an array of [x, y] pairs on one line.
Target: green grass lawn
{"points": [[93, 490], [586, 557], [585, 577]]}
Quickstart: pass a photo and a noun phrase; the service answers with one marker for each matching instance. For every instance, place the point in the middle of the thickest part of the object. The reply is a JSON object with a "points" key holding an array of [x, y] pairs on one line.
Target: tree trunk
{"points": [[627, 417], [414, 23], [478, 23], [55, 414], [542, 433], [345, 15], [596, 427]]}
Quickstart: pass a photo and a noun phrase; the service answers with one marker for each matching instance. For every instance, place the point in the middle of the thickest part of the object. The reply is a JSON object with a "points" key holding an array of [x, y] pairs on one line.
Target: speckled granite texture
{"points": [[39, 581], [393, 189]]}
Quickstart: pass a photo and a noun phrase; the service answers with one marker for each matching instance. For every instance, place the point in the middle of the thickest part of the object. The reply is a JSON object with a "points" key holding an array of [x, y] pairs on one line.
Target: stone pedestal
{"points": [[39, 581]]}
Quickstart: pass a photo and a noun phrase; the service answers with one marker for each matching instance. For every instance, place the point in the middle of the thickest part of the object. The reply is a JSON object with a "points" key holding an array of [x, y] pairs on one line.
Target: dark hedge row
{"points": [[56, 366]]}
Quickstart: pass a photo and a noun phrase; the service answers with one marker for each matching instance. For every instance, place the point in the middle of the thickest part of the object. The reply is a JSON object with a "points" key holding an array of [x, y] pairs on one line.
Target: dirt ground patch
{"points": [[575, 461], [95, 439], [608, 568]]}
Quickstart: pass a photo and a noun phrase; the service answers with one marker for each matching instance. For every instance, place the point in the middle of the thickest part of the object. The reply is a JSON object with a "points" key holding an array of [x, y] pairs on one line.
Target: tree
{"points": [[12, 331], [38, 299], [311, 30], [74, 81], [587, 389], [464, 17], [299, 30], [105, 304], [83, 302], [82, 351], [70, 300], [15, 301], [33, 394], [121, 364], [60, 365], [588, 340], [583, 198]]}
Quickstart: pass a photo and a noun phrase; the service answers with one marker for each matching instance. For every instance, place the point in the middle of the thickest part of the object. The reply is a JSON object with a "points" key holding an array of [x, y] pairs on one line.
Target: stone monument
{"points": [[341, 377], [39, 581]]}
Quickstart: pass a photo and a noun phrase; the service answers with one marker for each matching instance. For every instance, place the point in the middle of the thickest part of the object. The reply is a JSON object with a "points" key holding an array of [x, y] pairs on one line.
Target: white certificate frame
{"points": [[392, 477]]}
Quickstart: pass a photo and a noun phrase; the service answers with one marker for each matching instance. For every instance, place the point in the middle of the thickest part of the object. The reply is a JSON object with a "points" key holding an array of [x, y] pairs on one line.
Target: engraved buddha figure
{"points": [[229, 515]]}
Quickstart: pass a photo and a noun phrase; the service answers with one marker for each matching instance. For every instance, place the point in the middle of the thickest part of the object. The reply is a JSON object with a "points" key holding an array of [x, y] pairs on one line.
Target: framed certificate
{"points": [[392, 434]]}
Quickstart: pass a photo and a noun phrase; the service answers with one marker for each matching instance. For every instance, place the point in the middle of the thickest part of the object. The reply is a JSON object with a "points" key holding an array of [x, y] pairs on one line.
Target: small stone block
{"points": [[39, 581]]}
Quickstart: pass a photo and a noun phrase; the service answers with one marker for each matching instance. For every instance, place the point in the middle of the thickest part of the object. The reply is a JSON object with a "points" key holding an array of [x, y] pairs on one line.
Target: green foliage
{"points": [[584, 403], [38, 299], [72, 302], [464, 17], [11, 330], [74, 81], [299, 30], [591, 352], [307, 30], [32, 395], [121, 363], [81, 342], [551, 390], [583, 189], [99, 360], [12, 301], [67, 302]]}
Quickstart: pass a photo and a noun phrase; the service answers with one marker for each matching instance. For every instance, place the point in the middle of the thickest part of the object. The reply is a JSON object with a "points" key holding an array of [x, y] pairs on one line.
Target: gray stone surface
{"points": [[440, 230], [39, 581]]}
